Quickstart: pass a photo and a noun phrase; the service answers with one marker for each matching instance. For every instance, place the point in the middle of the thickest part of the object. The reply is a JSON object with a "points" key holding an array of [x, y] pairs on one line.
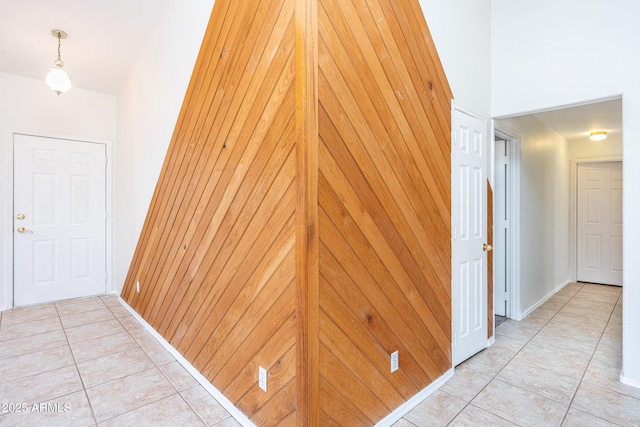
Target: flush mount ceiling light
{"points": [[598, 136], [58, 79]]}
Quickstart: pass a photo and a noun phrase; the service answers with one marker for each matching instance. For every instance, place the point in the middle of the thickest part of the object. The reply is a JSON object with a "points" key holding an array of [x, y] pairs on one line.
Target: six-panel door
{"points": [[59, 219]]}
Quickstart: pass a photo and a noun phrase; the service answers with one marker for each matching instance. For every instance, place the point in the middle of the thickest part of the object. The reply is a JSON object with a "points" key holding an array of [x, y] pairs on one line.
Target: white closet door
{"points": [[469, 223], [600, 223]]}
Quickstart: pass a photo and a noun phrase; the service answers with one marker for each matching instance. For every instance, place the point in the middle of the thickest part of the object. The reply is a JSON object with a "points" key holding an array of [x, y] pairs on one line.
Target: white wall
{"points": [[148, 107], [544, 209], [28, 105], [585, 149], [550, 53], [461, 30]]}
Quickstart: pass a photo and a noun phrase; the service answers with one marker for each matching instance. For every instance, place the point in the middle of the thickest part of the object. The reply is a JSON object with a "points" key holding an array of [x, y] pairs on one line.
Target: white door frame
{"points": [[573, 210], [6, 200], [500, 184], [513, 210]]}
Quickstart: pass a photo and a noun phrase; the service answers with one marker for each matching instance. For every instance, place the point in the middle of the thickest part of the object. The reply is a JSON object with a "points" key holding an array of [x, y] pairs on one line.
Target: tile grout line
{"points": [[589, 363], [535, 335], [191, 406], [5, 319], [494, 376], [35, 351], [238, 416], [156, 366], [569, 406], [75, 363]]}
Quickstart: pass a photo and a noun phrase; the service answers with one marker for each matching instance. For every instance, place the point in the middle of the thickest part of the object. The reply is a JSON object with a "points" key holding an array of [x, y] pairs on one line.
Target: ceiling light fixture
{"points": [[598, 136], [58, 79]]}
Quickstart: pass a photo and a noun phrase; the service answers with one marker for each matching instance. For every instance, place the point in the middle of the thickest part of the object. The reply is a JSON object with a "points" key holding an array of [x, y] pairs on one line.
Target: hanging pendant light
{"points": [[58, 79]]}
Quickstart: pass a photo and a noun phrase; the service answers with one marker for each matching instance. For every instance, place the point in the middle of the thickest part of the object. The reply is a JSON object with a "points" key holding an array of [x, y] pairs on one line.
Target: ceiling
{"points": [[576, 123], [104, 38]]}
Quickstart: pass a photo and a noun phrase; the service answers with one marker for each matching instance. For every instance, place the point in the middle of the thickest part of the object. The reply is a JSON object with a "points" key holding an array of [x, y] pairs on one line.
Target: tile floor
{"points": [[92, 363], [559, 366], [88, 362]]}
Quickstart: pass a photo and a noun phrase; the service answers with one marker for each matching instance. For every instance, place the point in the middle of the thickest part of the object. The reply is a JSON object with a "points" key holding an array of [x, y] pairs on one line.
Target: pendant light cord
{"points": [[59, 44]]}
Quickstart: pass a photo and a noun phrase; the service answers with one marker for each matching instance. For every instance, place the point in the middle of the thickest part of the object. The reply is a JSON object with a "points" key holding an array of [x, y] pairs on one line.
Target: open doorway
{"points": [[506, 160], [501, 229], [541, 149]]}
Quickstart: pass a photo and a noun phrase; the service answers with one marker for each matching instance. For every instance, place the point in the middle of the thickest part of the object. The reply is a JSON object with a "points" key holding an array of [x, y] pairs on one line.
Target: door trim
{"points": [[513, 241], [6, 200], [573, 209]]}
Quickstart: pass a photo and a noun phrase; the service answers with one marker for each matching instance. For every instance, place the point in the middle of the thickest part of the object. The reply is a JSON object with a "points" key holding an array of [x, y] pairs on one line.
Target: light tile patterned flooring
{"points": [[559, 366], [99, 365]]}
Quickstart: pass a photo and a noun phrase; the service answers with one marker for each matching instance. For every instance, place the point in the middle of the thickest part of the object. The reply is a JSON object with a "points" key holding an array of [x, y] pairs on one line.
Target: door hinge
{"points": [[506, 296], [506, 223], [453, 137], [506, 160], [454, 233]]}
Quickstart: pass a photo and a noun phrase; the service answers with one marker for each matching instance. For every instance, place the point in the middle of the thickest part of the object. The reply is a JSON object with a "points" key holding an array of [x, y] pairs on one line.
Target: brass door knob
{"points": [[24, 230], [20, 216], [487, 248]]}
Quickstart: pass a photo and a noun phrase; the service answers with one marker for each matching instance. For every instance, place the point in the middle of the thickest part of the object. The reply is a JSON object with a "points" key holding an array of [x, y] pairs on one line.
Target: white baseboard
{"points": [[629, 382], [543, 300], [491, 341], [217, 395], [407, 406], [388, 421]]}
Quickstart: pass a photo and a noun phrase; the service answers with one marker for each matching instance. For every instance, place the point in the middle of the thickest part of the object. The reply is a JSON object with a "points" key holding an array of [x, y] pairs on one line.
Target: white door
{"points": [[500, 229], [469, 227], [600, 223], [59, 219]]}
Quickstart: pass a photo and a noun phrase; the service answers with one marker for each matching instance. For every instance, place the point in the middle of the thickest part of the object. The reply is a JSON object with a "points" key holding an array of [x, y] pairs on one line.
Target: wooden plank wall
{"points": [[302, 218], [216, 258], [384, 208]]}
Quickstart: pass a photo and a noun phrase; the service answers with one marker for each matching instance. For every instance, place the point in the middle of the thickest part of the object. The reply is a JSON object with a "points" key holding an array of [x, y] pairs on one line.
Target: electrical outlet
{"points": [[137, 286], [394, 361], [262, 378]]}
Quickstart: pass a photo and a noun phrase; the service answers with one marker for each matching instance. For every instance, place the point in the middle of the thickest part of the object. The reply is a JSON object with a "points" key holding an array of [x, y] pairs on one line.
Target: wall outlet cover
{"points": [[394, 361], [262, 378]]}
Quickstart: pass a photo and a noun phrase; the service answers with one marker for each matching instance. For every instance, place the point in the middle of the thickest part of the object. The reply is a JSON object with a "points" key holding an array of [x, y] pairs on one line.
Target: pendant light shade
{"points": [[58, 79]]}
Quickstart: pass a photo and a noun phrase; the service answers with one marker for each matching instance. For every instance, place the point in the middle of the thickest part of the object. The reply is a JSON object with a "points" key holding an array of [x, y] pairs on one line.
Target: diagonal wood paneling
{"points": [[384, 197], [301, 221], [216, 259]]}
